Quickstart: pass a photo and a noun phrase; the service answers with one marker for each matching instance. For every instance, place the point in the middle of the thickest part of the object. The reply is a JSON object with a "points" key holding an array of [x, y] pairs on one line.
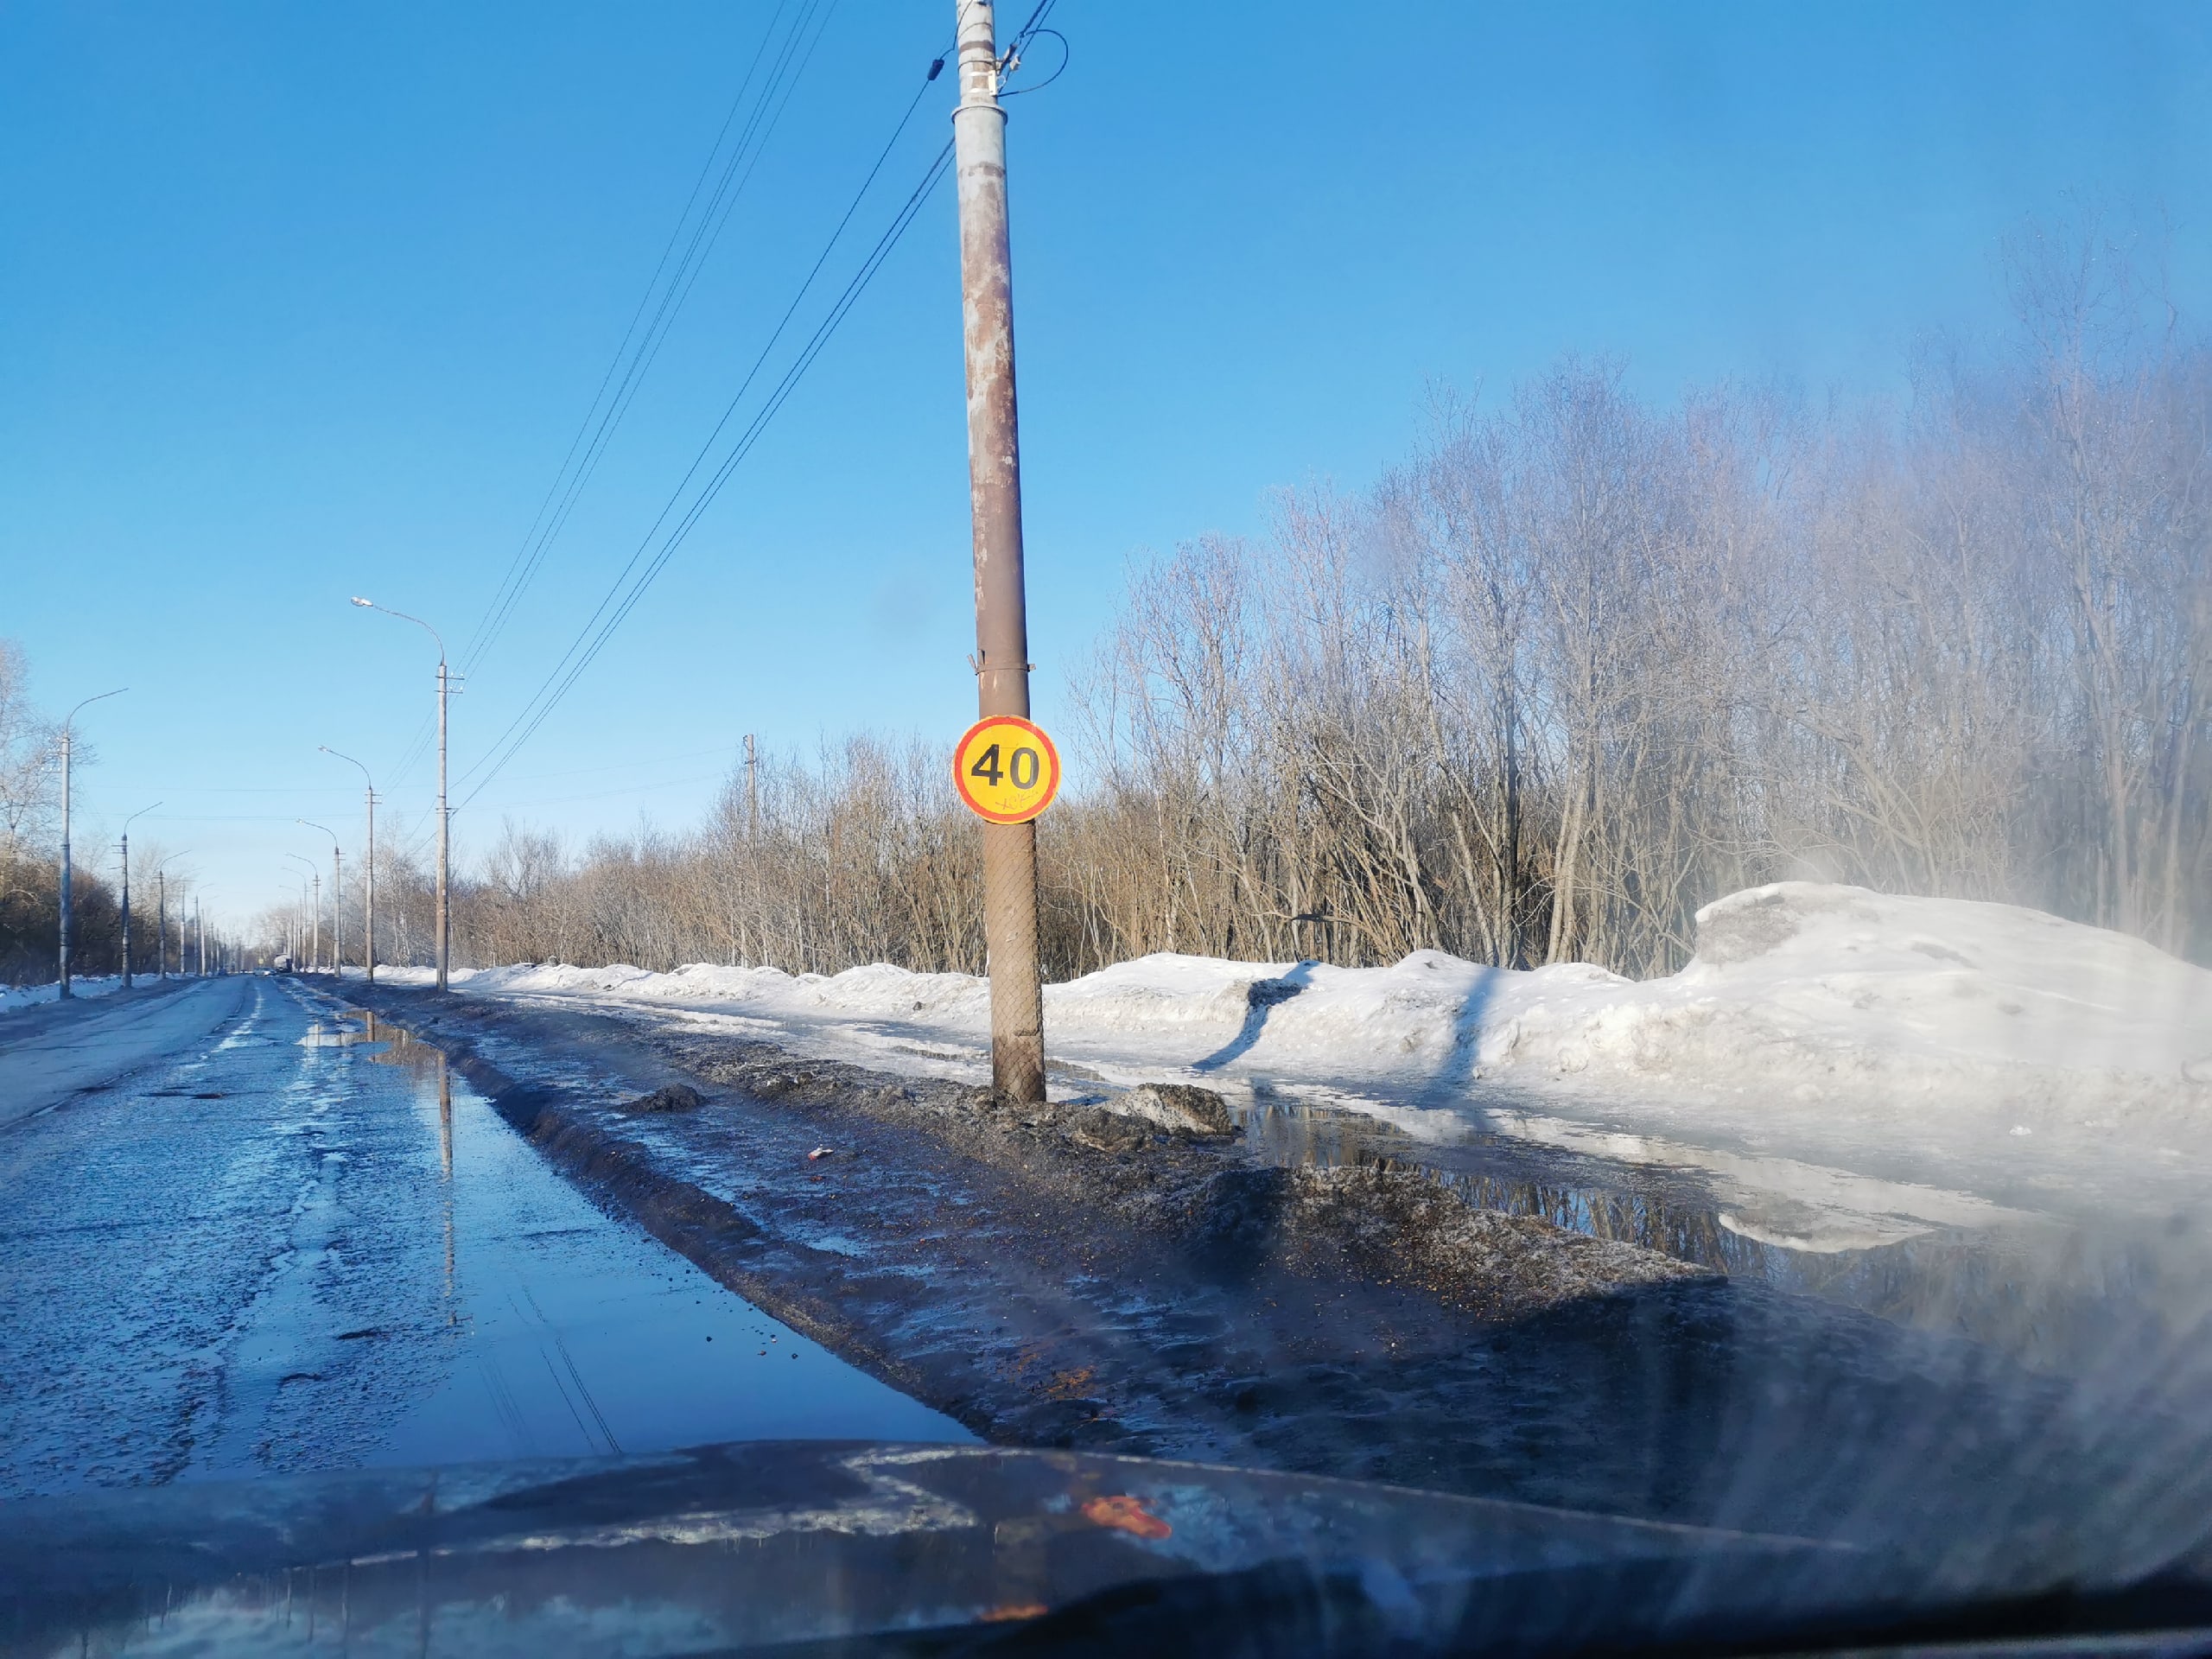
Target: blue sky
{"points": [[302, 302]]}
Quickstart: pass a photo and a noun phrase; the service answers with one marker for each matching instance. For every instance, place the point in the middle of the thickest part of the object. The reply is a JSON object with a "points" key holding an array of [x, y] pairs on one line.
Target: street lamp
{"points": [[139, 813], [445, 819], [337, 902], [314, 911], [368, 870], [161, 919], [68, 729]]}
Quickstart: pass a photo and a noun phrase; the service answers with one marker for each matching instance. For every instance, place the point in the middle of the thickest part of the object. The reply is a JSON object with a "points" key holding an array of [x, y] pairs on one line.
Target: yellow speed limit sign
{"points": [[1006, 769]]}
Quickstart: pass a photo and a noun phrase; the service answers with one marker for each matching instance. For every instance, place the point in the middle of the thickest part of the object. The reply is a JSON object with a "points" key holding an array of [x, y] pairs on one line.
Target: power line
{"points": [[544, 704], [588, 643], [608, 412], [634, 357]]}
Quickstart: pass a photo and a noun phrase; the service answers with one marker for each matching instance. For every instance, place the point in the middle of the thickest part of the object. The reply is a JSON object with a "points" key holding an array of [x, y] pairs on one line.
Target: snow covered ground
{"points": [[22, 996], [1848, 1067]]}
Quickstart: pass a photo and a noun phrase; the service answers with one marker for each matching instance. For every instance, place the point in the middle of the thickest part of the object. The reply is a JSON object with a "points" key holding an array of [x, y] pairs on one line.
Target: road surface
{"points": [[54, 1052], [236, 1235]]}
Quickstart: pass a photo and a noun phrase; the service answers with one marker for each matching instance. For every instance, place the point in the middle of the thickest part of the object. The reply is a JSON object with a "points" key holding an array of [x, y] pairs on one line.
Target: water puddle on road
{"points": [[574, 1334], [336, 1033], [2055, 1295]]}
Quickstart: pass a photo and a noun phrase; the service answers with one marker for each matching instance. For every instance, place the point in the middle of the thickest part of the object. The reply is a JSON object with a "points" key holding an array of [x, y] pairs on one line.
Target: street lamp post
{"points": [[68, 731], [368, 871], [139, 813], [299, 930], [314, 913], [337, 902], [161, 919], [445, 819]]}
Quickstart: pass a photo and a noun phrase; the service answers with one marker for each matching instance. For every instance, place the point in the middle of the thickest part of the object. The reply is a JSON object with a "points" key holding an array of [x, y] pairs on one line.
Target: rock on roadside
{"points": [[1179, 1108], [669, 1097]]}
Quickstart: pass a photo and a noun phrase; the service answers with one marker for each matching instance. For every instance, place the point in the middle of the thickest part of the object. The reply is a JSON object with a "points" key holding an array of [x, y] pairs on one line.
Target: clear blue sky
{"points": [[298, 302]]}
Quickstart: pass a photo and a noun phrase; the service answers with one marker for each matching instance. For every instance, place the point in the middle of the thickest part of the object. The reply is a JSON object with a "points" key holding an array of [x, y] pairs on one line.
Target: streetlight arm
{"points": [[370, 605], [101, 697], [349, 760], [139, 813]]}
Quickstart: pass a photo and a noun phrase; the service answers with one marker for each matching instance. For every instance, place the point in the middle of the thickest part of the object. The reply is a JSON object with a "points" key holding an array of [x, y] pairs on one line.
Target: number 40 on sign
{"points": [[1006, 769]]}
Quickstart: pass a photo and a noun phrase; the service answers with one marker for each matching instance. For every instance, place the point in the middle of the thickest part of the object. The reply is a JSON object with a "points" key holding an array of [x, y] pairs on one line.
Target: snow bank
{"points": [[1841, 1067], [1820, 993], [22, 996]]}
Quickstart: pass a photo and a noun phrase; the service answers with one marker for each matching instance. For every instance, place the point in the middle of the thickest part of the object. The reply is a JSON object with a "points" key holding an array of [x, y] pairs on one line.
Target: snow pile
{"points": [[1842, 992], [22, 996], [1799, 990], [1842, 1068]]}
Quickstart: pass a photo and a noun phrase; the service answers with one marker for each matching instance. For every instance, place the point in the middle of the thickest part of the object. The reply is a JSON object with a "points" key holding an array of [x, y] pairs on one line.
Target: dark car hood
{"points": [[864, 1549]]}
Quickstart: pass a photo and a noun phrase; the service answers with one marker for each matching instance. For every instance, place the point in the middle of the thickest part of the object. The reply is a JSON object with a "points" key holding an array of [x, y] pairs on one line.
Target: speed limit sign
{"points": [[1006, 769]]}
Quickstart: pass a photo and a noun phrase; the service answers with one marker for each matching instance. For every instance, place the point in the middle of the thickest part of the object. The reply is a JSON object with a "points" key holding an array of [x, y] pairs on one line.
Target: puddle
{"points": [[338, 1034], [2058, 1297], [2055, 1295], [570, 1332]]}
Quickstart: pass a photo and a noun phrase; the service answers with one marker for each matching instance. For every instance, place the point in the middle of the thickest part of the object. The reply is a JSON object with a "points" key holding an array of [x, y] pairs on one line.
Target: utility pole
{"points": [[445, 828], [1001, 660], [68, 900], [199, 915], [752, 791], [337, 903], [139, 813], [368, 871], [315, 912], [445, 816], [162, 920]]}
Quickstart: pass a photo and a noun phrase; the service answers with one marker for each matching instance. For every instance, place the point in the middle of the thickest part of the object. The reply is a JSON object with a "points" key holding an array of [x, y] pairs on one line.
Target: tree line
{"points": [[1580, 662], [1577, 665]]}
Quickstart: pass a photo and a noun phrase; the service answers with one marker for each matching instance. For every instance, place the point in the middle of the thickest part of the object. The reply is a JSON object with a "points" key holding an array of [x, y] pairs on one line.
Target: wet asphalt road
{"points": [[235, 1238]]}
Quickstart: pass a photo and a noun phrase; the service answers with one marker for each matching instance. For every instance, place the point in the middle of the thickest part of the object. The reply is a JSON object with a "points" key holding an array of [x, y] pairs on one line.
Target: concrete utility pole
{"points": [[751, 790], [445, 817], [368, 872], [199, 916], [1001, 659], [139, 813], [162, 920], [315, 912], [337, 902], [68, 900]]}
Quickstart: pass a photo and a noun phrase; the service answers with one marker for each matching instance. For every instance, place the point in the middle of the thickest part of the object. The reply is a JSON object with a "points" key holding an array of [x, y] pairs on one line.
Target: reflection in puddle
{"points": [[572, 1333]]}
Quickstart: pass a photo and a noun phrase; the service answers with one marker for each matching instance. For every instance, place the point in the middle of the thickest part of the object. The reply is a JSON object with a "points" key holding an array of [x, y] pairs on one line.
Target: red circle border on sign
{"points": [[960, 783]]}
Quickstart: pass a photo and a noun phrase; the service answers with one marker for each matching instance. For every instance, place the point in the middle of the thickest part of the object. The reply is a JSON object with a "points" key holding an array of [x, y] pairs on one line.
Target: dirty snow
{"points": [[1820, 1034]]}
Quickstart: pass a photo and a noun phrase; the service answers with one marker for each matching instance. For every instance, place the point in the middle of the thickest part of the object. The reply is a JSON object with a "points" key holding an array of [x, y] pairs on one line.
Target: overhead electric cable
{"points": [[619, 600], [664, 296]]}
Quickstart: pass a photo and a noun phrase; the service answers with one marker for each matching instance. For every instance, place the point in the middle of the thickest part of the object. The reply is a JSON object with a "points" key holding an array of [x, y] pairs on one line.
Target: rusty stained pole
{"points": [[994, 505]]}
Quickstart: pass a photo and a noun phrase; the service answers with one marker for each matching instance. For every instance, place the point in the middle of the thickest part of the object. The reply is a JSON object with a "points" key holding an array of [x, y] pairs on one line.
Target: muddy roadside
{"points": [[1071, 1276]]}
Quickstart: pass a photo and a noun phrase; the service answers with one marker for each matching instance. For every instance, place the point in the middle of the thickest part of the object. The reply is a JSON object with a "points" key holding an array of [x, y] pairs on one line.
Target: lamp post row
{"points": [[443, 931]]}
